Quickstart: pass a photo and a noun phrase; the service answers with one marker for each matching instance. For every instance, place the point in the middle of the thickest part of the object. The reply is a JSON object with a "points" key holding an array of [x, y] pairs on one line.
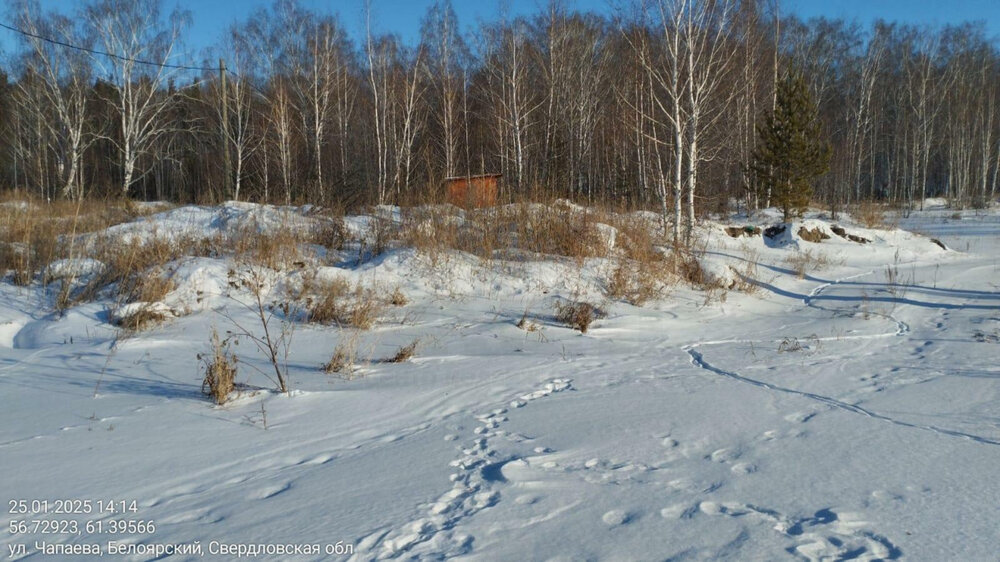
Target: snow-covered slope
{"points": [[850, 413]]}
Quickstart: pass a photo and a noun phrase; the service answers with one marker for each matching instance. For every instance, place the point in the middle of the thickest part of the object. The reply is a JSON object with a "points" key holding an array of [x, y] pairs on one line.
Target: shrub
{"points": [[805, 261], [633, 282], [278, 250], [871, 214], [330, 232], [338, 362], [220, 371], [344, 357], [397, 298], [404, 353], [558, 230], [577, 315], [336, 303]]}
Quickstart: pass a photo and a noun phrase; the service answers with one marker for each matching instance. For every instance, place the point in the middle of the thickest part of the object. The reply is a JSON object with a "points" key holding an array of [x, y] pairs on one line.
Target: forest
{"points": [[656, 104]]}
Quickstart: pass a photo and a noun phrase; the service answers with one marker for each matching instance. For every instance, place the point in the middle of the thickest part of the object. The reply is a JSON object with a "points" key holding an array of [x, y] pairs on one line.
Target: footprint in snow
{"points": [[724, 455], [679, 511], [826, 535], [270, 491], [615, 518], [800, 417]]}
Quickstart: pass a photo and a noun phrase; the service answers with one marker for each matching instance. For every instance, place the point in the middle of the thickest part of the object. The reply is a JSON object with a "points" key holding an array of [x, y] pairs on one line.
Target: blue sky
{"points": [[211, 17]]}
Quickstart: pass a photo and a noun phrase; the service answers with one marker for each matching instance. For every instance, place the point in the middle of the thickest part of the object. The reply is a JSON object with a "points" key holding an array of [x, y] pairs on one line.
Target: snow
{"points": [[832, 416], [69, 268]]}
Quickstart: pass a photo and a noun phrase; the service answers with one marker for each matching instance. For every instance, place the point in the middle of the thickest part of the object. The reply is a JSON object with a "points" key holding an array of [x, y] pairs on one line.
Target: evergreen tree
{"points": [[791, 151]]}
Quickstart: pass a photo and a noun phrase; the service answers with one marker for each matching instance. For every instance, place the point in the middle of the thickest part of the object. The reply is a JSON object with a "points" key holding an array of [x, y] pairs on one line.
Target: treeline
{"points": [[658, 104]]}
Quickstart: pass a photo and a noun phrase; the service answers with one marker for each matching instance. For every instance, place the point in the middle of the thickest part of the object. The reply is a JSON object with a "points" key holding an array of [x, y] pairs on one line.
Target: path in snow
{"points": [[902, 328], [475, 482]]}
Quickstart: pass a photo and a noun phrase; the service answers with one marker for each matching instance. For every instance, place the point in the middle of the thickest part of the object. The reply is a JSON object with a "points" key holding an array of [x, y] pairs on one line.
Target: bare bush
{"points": [[276, 341], [220, 371], [634, 282], [871, 214], [339, 362], [397, 298], [344, 358], [336, 302], [405, 353], [280, 249], [577, 315], [805, 261], [748, 274], [330, 232]]}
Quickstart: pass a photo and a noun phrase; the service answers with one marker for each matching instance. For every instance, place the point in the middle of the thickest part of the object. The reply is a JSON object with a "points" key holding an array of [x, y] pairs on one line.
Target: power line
{"points": [[102, 53]]}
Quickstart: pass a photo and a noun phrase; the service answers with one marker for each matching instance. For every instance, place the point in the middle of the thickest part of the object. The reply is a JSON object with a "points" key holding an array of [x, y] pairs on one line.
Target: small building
{"points": [[469, 192]]}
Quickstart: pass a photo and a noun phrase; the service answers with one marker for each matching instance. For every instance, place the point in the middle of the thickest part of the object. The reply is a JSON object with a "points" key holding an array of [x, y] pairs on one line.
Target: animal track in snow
{"points": [[270, 491], [800, 417], [724, 455], [615, 518], [826, 535], [478, 471]]}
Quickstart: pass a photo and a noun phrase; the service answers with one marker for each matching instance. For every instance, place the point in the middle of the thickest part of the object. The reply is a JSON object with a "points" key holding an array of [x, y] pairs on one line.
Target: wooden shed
{"points": [[473, 191]]}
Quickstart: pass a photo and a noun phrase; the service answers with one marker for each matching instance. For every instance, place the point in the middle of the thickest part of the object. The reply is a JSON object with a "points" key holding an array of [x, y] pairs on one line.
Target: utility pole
{"points": [[227, 166]]}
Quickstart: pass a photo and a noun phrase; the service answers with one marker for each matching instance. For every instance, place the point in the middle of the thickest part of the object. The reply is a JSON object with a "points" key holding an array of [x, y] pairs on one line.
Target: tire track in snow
{"points": [[698, 360]]}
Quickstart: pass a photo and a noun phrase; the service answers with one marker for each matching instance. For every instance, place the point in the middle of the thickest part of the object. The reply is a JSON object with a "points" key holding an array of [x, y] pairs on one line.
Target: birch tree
{"points": [[133, 31], [62, 77]]}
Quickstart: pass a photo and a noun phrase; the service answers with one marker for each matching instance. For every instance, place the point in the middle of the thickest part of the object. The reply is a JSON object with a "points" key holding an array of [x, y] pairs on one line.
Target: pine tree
{"points": [[791, 151]]}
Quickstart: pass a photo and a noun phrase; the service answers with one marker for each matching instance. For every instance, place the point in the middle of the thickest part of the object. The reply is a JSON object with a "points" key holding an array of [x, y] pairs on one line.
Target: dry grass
{"points": [[280, 249], [872, 214], [634, 282], [558, 230], [336, 302], [378, 238], [339, 362], [220, 371], [805, 262], [136, 270], [397, 298], [526, 324], [520, 228], [330, 233], [141, 318], [344, 358], [33, 232], [405, 353], [748, 273], [577, 315], [432, 232]]}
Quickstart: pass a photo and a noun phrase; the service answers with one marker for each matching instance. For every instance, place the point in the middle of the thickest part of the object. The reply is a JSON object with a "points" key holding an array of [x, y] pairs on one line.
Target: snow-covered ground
{"points": [[852, 413]]}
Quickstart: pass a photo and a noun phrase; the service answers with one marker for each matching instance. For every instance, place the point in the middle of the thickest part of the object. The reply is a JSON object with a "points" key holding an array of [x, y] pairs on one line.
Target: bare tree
{"points": [[243, 139], [133, 31], [446, 51], [61, 88], [708, 40]]}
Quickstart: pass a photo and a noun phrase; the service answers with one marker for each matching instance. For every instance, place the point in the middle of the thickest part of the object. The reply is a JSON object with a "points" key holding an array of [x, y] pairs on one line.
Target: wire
{"points": [[111, 55]]}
